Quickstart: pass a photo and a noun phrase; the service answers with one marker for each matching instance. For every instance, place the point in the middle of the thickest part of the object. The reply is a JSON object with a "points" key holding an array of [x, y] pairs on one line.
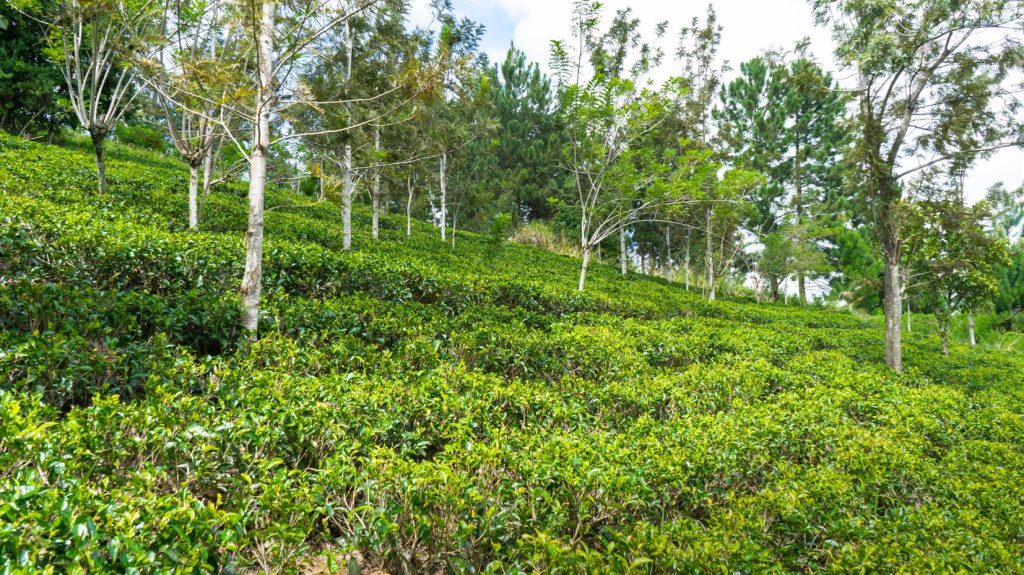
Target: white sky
{"points": [[749, 27]]}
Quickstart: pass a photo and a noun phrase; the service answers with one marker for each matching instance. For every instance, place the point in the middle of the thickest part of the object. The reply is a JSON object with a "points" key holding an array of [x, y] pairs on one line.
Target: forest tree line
{"points": [[747, 181]]}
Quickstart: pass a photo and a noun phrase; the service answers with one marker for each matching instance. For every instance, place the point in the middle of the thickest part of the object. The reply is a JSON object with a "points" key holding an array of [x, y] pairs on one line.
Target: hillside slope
{"points": [[456, 410]]}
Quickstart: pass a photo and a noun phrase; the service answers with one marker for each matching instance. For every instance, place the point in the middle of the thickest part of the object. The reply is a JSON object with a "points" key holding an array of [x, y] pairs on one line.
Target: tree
{"points": [[525, 150], [723, 202], [787, 250], [955, 263], [282, 33], [931, 81], [610, 121], [195, 56], [785, 121], [450, 114], [31, 85], [95, 43], [1007, 220]]}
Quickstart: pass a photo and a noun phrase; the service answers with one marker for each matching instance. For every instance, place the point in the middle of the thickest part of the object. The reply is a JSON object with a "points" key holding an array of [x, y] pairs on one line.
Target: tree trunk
{"points": [[584, 266], [944, 334], [346, 200], [252, 278], [98, 136], [686, 259], [893, 310], [375, 206], [970, 328], [799, 200], [207, 170], [209, 163], [193, 195], [408, 209], [444, 191], [623, 267], [455, 217], [668, 253], [709, 258], [375, 195]]}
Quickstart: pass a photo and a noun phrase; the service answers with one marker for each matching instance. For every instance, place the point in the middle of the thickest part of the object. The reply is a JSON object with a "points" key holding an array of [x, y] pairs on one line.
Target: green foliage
{"points": [[31, 86], [142, 136], [435, 410]]}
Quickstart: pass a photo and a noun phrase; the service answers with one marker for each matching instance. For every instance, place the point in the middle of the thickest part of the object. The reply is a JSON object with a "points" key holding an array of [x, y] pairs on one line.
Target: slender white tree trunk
{"points": [[346, 200], [623, 265], [251, 279], [375, 193], [709, 258], [944, 331], [408, 209], [584, 266], [207, 170], [444, 185], [668, 254], [193, 196], [686, 259], [970, 328]]}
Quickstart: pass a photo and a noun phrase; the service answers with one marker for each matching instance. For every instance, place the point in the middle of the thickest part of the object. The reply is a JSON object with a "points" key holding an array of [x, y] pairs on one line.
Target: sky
{"points": [[749, 28]]}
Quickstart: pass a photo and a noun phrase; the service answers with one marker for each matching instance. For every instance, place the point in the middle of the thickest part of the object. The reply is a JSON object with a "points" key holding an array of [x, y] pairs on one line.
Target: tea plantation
{"points": [[419, 409]]}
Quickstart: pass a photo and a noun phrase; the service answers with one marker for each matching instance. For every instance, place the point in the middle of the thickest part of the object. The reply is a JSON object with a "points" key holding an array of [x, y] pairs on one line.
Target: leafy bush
{"points": [[455, 410]]}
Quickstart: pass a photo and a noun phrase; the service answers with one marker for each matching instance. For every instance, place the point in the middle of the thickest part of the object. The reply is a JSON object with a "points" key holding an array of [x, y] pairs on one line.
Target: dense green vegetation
{"points": [[461, 409]]}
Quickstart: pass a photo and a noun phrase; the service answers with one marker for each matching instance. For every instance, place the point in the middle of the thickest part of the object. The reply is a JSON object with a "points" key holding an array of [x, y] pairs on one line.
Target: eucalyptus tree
{"points": [[723, 201], [932, 86], [95, 43], [386, 74], [702, 71], [195, 56], [282, 34], [449, 116]]}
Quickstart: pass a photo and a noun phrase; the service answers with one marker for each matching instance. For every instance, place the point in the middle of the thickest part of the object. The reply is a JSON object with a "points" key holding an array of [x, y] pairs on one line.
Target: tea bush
{"points": [[455, 410]]}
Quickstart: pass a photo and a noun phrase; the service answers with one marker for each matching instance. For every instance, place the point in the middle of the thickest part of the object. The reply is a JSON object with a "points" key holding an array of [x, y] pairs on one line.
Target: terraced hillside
{"points": [[420, 409]]}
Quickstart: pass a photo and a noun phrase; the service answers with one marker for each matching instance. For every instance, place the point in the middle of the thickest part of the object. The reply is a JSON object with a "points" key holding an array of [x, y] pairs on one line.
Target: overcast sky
{"points": [[750, 27]]}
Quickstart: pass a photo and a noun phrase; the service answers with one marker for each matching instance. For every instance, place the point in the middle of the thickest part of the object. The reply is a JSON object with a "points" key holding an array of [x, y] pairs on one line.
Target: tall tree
{"points": [[450, 115], [610, 119], [31, 85], [526, 168], [281, 33], [932, 81], [957, 257], [95, 44], [786, 121], [195, 55]]}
